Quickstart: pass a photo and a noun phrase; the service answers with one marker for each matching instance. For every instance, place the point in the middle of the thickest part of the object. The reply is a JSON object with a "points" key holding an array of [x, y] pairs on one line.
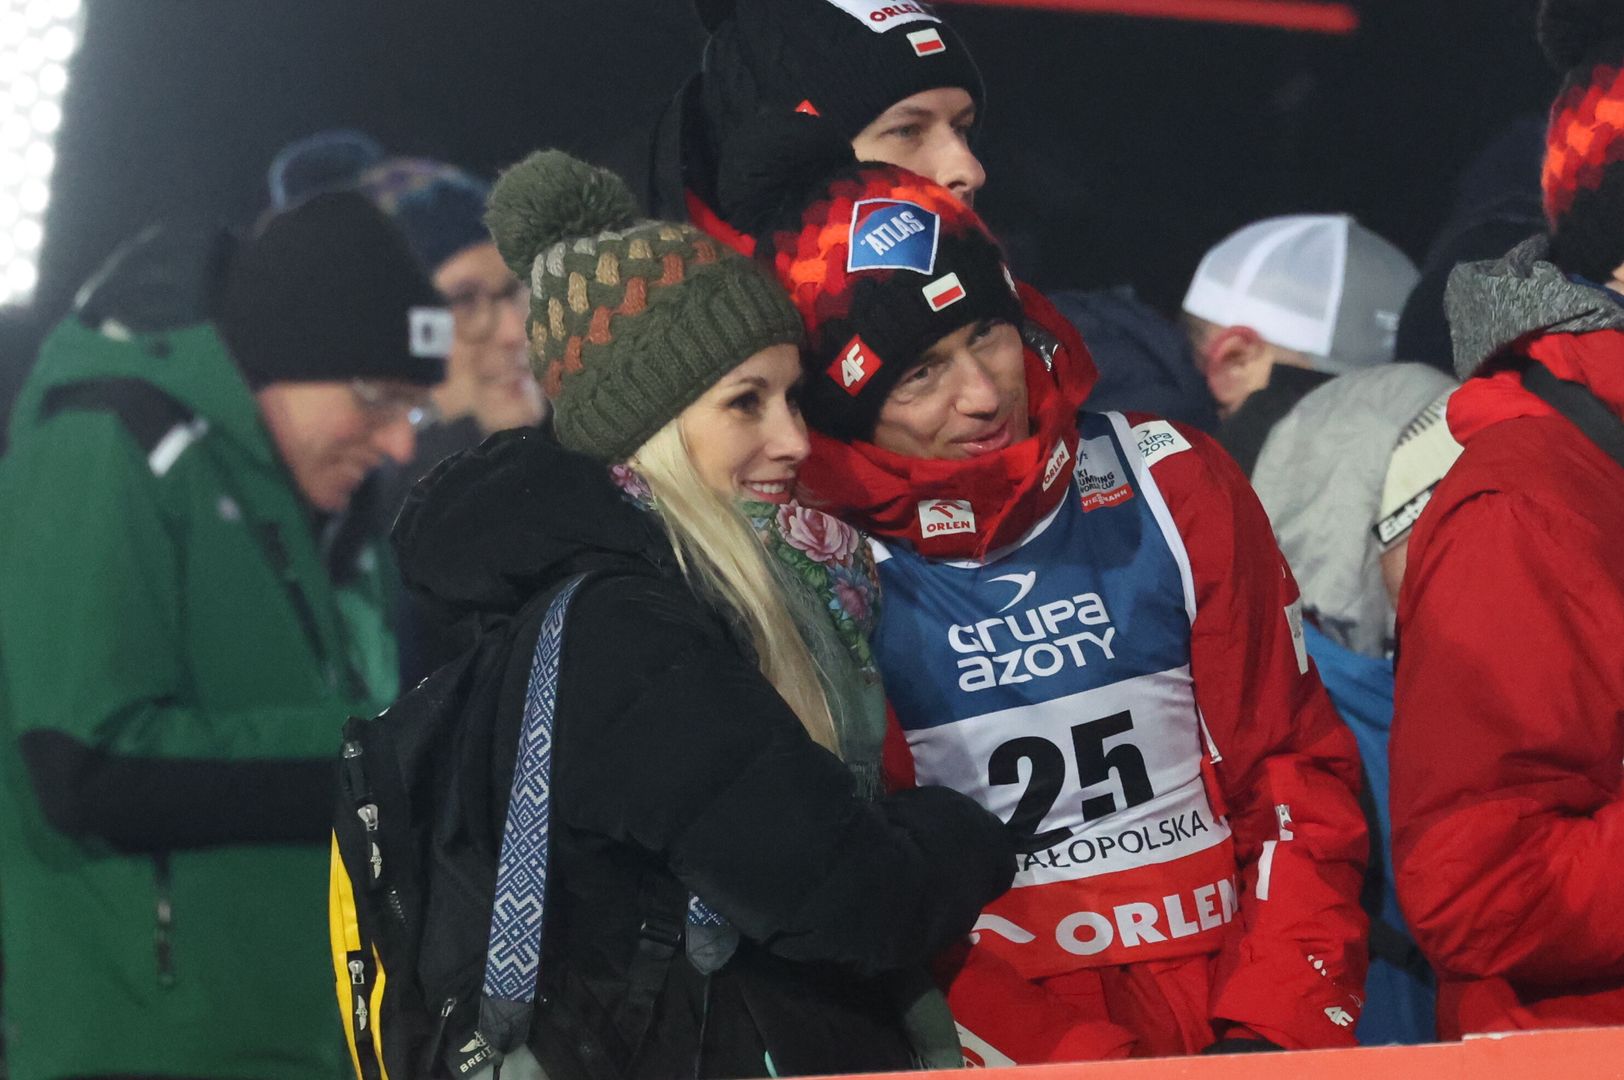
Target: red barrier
{"points": [[1307, 15], [1580, 1054]]}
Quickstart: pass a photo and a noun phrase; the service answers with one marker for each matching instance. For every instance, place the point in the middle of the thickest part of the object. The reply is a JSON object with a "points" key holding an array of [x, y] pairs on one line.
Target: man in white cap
{"points": [[1284, 304]]}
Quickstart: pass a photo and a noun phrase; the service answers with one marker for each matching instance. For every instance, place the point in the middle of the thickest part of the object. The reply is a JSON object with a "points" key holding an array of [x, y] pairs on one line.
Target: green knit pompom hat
{"points": [[631, 320]]}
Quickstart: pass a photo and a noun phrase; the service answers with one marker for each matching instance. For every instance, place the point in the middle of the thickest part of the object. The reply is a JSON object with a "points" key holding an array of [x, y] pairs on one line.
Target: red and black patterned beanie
{"points": [[1583, 177], [881, 262]]}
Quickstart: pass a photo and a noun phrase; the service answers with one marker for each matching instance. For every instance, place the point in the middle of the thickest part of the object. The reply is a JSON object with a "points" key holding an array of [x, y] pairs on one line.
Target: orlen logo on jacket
{"points": [[1057, 463], [1101, 479], [941, 517], [891, 234], [854, 366], [881, 15]]}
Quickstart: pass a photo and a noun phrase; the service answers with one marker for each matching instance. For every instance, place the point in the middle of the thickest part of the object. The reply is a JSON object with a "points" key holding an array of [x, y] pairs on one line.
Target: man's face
{"points": [[487, 373], [928, 133], [332, 434], [966, 396]]}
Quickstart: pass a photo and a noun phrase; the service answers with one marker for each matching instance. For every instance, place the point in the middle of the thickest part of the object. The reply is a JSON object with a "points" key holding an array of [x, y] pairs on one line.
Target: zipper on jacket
{"points": [[163, 937], [431, 1060], [270, 536]]}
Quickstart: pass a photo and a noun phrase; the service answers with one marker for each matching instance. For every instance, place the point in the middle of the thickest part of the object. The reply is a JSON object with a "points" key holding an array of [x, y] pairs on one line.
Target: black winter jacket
{"points": [[678, 769]]}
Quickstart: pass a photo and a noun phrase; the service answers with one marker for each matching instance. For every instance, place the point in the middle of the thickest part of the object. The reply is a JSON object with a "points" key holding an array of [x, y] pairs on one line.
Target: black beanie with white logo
{"points": [[330, 291], [846, 60]]}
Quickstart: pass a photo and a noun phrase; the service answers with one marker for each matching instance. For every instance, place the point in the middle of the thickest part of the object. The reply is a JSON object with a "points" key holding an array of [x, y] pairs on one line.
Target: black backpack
{"points": [[441, 980]]}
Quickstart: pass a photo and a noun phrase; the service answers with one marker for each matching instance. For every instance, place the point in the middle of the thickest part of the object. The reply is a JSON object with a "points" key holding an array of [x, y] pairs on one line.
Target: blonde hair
{"points": [[720, 553]]}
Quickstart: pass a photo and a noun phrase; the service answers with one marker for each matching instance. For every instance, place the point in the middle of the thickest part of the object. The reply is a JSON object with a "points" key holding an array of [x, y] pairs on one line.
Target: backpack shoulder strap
{"points": [[1581, 407], [160, 425], [513, 959]]}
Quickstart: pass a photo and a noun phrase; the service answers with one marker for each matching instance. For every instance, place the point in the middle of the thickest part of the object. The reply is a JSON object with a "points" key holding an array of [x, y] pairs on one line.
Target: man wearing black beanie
{"points": [[889, 74], [177, 660]]}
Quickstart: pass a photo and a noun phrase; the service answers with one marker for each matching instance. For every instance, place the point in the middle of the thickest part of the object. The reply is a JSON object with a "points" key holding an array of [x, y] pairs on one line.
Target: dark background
{"points": [[1118, 149]]}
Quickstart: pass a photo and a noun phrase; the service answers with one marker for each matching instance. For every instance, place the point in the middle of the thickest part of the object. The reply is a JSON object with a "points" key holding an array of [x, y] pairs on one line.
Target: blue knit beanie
{"points": [[439, 207]]}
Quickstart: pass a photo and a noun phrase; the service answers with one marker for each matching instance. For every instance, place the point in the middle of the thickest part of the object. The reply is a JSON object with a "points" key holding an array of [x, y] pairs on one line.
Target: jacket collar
{"points": [[1494, 305]]}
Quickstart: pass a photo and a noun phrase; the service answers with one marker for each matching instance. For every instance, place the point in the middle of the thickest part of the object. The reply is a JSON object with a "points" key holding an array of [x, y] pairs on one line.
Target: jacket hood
{"points": [[145, 315], [1320, 477], [491, 526], [1492, 305]]}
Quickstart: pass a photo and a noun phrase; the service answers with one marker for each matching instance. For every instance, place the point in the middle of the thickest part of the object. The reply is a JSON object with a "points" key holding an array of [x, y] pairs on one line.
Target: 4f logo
{"points": [[854, 366]]}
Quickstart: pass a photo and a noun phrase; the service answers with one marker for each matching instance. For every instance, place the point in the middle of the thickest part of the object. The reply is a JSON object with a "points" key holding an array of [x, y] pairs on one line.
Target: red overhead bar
{"points": [[1309, 15]]}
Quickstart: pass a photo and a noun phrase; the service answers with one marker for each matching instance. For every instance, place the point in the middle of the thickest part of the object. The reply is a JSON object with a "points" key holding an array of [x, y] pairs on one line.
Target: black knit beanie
{"points": [[330, 291], [847, 60]]}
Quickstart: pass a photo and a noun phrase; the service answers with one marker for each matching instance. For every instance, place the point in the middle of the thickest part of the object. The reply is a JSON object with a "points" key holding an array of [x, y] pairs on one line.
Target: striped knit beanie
{"points": [[631, 320], [1583, 177]]}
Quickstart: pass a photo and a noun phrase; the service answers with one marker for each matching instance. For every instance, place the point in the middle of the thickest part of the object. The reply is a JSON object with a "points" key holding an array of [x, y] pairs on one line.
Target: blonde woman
{"points": [[717, 728]]}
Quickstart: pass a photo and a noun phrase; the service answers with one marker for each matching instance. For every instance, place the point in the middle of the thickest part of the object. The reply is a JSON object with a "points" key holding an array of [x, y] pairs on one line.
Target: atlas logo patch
{"points": [[807, 108], [927, 42], [881, 15], [943, 517], [890, 234], [855, 365], [944, 291]]}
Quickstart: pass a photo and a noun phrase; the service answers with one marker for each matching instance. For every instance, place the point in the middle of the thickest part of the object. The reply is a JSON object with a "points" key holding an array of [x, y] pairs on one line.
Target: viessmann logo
{"points": [[941, 517]]}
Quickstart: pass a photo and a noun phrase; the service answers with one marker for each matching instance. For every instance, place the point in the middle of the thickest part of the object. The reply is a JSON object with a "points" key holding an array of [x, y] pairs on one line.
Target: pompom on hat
{"points": [[631, 320], [1583, 176]]}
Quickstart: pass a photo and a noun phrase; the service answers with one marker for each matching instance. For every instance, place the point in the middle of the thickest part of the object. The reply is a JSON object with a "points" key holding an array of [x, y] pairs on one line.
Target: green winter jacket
{"points": [[175, 667]]}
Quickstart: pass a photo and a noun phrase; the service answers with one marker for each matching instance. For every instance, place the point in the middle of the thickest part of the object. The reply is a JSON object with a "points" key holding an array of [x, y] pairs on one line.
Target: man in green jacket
{"points": [[176, 661]]}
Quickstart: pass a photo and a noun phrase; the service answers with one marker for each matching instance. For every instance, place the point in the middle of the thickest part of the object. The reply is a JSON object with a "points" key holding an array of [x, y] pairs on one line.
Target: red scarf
{"points": [[709, 221], [1595, 360], [965, 509]]}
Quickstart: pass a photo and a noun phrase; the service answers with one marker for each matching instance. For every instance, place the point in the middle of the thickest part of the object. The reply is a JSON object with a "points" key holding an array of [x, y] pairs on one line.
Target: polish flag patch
{"points": [[927, 42], [943, 292], [855, 365]]}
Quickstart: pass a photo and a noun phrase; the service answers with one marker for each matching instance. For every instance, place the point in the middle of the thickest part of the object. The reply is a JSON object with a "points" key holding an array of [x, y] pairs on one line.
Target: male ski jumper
{"points": [[1092, 632]]}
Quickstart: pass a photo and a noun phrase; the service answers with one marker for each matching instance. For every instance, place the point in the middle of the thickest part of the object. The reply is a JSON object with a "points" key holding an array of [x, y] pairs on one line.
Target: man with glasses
{"points": [[488, 385], [176, 659]]}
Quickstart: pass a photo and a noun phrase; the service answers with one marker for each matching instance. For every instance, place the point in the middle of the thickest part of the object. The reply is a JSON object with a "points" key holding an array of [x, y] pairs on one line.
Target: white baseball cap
{"points": [[1320, 284]]}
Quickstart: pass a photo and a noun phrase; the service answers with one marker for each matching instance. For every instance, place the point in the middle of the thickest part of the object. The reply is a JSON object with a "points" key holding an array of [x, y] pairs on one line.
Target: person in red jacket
{"points": [[1088, 628], [1507, 788]]}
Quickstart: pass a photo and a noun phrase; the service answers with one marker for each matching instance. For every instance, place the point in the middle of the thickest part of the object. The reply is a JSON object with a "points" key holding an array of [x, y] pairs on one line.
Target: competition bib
{"points": [[1053, 686]]}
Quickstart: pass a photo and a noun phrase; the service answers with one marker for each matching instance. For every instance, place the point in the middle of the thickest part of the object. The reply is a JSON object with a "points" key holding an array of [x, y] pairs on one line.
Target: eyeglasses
{"points": [[386, 403], [478, 310]]}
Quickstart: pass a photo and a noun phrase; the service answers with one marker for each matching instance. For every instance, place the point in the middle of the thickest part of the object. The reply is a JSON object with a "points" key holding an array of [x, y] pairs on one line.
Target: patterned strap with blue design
{"points": [[513, 955], [513, 958]]}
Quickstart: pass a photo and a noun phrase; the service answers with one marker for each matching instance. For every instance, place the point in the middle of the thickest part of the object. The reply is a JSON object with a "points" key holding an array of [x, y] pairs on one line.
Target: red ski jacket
{"points": [[1283, 767], [1508, 734]]}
